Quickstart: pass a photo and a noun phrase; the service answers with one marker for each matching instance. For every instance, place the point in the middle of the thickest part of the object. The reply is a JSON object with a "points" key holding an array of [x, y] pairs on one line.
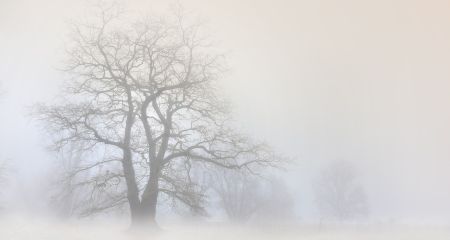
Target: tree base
{"points": [[145, 227]]}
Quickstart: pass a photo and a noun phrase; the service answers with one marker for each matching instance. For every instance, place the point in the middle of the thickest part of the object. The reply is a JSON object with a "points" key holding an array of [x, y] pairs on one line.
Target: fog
{"points": [[361, 82]]}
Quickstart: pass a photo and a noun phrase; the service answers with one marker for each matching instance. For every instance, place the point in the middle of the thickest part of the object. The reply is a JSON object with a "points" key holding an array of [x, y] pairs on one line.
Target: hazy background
{"points": [[321, 80]]}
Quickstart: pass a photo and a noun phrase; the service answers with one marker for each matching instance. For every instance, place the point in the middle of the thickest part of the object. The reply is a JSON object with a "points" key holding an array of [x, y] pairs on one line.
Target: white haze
{"points": [[32, 229], [321, 80]]}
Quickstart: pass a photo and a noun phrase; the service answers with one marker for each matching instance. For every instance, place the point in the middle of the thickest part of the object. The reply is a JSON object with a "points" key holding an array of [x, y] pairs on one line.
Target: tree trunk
{"points": [[132, 189], [147, 209], [150, 195]]}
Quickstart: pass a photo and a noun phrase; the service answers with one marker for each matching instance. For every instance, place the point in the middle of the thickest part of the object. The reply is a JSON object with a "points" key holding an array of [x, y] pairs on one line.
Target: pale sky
{"points": [[357, 80]]}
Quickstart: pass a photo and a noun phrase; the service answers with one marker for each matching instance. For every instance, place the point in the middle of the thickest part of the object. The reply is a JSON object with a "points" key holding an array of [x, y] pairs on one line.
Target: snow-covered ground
{"points": [[38, 229]]}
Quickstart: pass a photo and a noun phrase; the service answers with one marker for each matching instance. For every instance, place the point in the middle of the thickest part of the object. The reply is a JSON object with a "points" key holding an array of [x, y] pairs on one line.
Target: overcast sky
{"points": [[321, 80]]}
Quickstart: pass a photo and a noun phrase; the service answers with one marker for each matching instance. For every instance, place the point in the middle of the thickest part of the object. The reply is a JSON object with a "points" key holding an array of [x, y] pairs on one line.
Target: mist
{"points": [[347, 96]]}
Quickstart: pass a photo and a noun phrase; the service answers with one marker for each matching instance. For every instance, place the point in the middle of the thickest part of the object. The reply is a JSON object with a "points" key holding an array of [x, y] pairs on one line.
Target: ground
{"points": [[37, 229]]}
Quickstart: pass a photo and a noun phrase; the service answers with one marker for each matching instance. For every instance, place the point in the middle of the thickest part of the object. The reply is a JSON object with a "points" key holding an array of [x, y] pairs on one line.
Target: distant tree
{"points": [[338, 194], [80, 193], [4, 172], [277, 203], [246, 197], [143, 101], [2, 90], [239, 194]]}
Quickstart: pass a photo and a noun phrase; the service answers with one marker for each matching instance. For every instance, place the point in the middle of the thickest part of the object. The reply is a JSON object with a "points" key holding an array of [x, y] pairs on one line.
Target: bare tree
{"points": [[253, 198], [239, 194], [338, 194], [2, 91], [277, 203], [143, 102], [74, 191]]}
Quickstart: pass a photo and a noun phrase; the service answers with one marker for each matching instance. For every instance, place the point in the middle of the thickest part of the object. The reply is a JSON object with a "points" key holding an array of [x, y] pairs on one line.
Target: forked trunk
{"points": [[146, 211]]}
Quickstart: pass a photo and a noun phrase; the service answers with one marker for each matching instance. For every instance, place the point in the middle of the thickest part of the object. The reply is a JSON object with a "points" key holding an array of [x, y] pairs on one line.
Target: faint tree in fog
{"points": [[246, 197], [239, 194], [2, 91], [63, 191], [338, 194], [4, 171], [277, 203], [75, 192], [142, 102]]}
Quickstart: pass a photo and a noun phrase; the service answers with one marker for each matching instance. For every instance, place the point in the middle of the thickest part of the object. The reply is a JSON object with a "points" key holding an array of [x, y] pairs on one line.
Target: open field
{"points": [[19, 229]]}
